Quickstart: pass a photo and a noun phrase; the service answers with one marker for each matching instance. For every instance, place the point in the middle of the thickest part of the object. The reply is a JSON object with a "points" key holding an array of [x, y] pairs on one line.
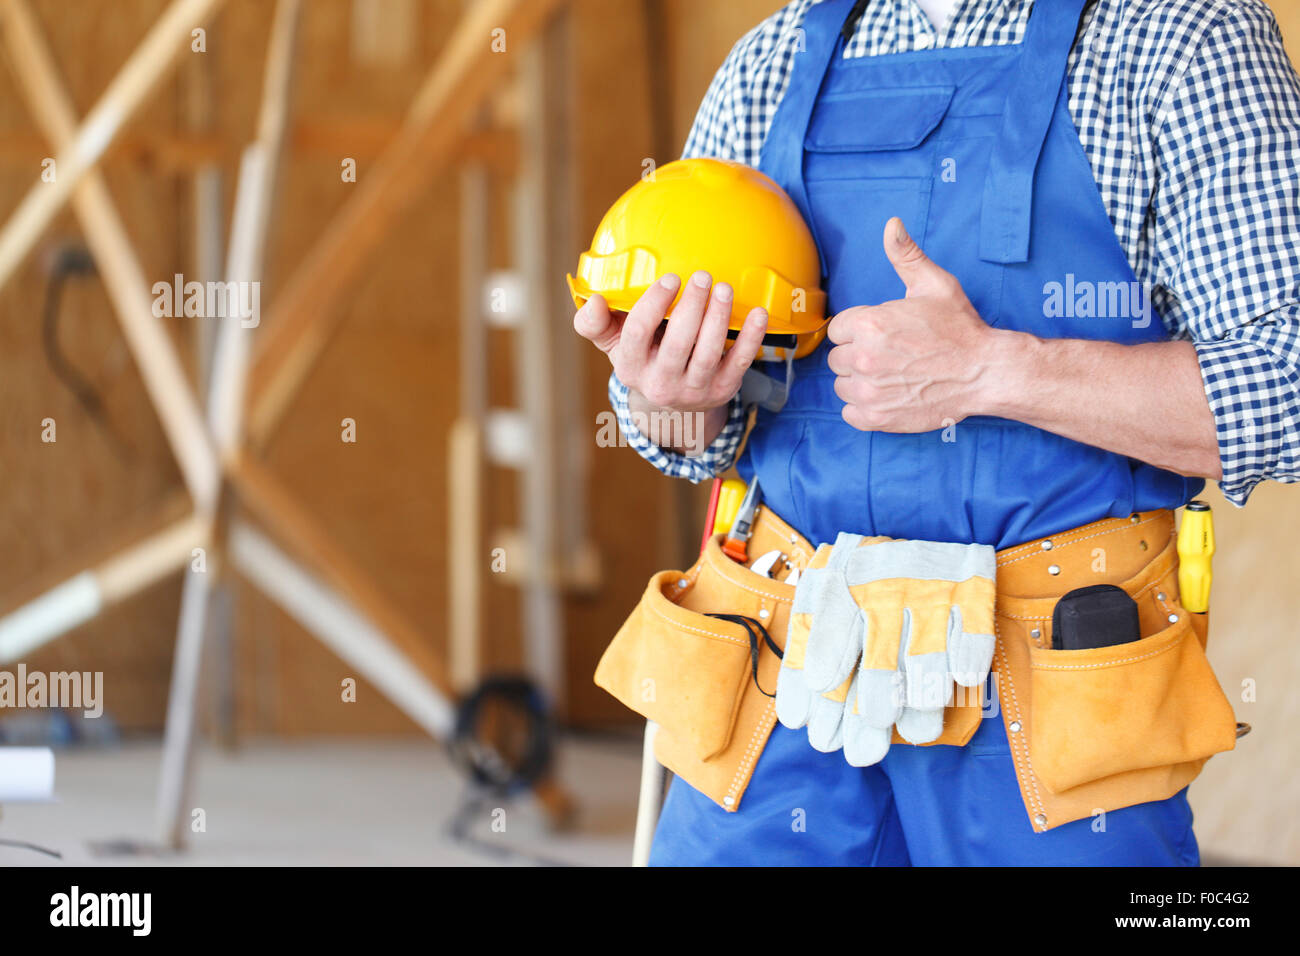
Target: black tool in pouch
{"points": [[1098, 616]]}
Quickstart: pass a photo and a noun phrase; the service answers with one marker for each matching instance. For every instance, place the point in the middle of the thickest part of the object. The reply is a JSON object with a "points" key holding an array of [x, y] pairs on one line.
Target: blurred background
{"points": [[413, 497]]}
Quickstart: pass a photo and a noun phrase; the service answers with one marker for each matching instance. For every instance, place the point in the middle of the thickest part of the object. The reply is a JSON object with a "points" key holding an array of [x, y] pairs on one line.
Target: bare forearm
{"points": [[1144, 401], [686, 433]]}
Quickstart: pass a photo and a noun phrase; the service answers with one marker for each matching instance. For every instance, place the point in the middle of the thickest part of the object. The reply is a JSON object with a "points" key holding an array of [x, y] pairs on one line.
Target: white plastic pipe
{"points": [[84, 595], [55, 612], [26, 774]]}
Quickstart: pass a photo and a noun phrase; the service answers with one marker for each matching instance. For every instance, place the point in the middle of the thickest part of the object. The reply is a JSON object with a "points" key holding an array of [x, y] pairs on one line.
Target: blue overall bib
{"points": [[975, 150]]}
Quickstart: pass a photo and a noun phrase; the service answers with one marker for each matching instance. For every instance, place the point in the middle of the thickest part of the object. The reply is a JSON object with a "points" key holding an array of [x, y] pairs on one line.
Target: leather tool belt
{"points": [[1094, 729]]}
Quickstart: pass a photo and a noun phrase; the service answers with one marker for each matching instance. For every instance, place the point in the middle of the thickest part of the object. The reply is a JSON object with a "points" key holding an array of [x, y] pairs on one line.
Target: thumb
{"points": [[594, 322], [914, 267]]}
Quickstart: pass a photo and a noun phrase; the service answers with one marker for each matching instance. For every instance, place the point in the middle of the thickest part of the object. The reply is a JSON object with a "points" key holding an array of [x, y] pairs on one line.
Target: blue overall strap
{"points": [[782, 157], [1030, 107]]}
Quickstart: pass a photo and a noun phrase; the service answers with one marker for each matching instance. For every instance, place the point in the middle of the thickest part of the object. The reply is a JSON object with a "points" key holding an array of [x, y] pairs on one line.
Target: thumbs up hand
{"points": [[918, 363]]}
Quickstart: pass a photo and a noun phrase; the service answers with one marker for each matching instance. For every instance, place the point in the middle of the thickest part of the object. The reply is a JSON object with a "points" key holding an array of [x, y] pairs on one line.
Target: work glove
{"points": [[880, 630], [822, 595]]}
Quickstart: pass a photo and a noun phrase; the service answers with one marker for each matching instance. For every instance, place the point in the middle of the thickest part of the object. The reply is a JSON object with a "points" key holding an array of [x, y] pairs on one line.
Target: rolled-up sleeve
{"points": [[1226, 218], [1253, 384]]}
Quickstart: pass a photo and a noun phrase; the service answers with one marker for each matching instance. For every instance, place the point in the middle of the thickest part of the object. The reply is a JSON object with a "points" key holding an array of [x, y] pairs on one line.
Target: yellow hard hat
{"points": [[725, 218]]}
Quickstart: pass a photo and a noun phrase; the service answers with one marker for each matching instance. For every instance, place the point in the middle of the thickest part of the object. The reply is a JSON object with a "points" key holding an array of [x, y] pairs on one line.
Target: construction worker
{"points": [[1057, 248]]}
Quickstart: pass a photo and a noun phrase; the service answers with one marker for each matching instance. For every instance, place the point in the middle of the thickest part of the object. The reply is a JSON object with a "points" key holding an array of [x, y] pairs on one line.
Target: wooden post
{"points": [[551, 499], [225, 402], [198, 78], [466, 553], [307, 310]]}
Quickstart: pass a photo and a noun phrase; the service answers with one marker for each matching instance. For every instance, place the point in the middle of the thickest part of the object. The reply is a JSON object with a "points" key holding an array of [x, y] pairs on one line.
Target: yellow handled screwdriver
{"points": [[1195, 556], [730, 496]]}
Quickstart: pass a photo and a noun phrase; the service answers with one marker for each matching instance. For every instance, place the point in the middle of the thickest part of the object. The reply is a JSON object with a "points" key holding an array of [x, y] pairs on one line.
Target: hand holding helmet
{"points": [[697, 271], [684, 368]]}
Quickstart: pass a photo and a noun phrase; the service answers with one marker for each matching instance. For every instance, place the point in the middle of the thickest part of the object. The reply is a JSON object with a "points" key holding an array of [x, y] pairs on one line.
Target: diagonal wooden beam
{"points": [[306, 312], [137, 78], [343, 627], [254, 198], [128, 289], [279, 512]]}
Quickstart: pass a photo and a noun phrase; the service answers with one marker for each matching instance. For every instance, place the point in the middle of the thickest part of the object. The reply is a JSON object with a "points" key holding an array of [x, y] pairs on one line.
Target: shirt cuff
{"points": [[712, 462], [1255, 397]]}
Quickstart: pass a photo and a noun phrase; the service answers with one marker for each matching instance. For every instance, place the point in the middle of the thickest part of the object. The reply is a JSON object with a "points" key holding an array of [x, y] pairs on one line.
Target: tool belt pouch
{"points": [[674, 664], [698, 676], [1140, 706], [707, 681]]}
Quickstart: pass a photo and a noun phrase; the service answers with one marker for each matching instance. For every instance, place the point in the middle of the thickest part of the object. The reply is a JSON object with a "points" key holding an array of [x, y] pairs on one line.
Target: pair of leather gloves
{"points": [[881, 630]]}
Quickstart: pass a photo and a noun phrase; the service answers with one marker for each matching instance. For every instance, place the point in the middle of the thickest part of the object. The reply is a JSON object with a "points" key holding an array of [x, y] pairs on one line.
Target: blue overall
{"points": [[975, 150]]}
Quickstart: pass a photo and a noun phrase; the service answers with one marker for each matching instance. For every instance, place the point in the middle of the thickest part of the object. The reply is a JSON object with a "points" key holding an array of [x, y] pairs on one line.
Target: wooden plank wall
{"points": [[391, 368], [94, 484]]}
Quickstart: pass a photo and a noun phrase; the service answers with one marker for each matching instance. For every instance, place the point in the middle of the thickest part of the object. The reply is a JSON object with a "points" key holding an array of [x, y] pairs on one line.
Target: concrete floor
{"points": [[313, 803], [338, 802]]}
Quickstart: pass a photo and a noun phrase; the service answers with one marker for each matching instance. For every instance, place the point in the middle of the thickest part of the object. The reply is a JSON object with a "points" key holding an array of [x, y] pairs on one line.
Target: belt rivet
{"points": [[1046, 545], [729, 800], [1135, 519], [1035, 633], [1015, 726], [1054, 569], [682, 582], [1160, 595], [1173, 618], [1040, 819], [762, 613]]}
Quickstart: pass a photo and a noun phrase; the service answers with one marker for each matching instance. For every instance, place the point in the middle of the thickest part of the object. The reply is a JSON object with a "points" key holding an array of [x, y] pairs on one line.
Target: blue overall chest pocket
{"points": [[869, 156]]}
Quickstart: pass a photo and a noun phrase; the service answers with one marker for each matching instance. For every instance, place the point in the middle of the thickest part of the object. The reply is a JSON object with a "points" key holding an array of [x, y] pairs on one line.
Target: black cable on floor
{"points": [[459, 829], [24, 845]]}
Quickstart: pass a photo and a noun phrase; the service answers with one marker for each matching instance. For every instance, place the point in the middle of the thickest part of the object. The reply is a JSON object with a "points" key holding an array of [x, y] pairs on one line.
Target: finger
{"points": [[920, 726], [880, 697], [928, 685], [856, 417], [597, 324], [793, 698], [703, 365], [970, 655], [881, 688], [864, 744], [743, 351], [642, 323], [826, 723], [843, 386], [835, 640], [929, 682], [840, 328], [919, 273], [684, 325], [840, 360]]}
